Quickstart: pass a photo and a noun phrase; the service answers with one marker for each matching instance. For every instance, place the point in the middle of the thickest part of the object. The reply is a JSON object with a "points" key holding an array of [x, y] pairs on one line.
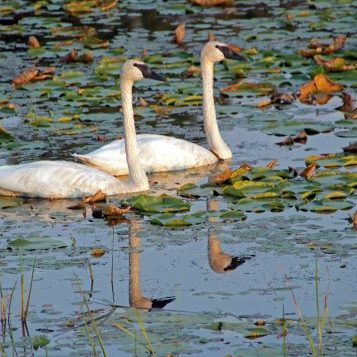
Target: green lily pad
{"points": [[233, 215], [257, 332], [158, 204], [39, 342], [172, 220], [5, 135], [325, 206], [251, 205], [294, 127], [34, 243]]}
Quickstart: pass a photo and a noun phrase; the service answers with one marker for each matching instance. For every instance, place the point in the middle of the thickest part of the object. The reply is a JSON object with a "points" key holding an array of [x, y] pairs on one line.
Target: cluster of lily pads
{"points": [[260, 189]]}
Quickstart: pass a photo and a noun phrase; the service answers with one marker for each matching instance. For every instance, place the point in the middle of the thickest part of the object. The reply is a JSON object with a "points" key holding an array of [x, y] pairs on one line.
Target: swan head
{"points": [[218, 51], [136, 70]]}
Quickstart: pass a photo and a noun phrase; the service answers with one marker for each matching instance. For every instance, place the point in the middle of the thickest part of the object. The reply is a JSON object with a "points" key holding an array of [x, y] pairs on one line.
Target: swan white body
{"points": [[157, 153], [57, 179], [62, 179], [160, 153]]}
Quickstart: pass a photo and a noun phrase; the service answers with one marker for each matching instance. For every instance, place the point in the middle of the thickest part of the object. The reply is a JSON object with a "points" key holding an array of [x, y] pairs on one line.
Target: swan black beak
{"points": [[230, 54], [149, 73]]}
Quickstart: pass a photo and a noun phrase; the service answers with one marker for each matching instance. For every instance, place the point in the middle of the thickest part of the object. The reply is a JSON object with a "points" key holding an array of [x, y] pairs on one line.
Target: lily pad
{"points": [[36, 243], [172, 220], [158, 204], [326, 206]]}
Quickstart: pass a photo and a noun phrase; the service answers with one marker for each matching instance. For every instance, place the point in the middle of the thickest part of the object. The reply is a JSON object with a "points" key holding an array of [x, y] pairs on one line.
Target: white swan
{"points": [[159, 153], [62, 179]]}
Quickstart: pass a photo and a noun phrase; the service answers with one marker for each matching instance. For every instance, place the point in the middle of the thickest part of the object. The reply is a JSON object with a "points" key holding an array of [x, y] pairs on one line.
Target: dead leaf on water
{"points": [[99, 196], [180, 33], [277, 98], [301, 137], [348, 104], [259, 323], [316, 48], [351, 148], [108, 5], [143, 102], [33, 42], [321, 84], [266, 88], [288, 141], [272, 164], [209, 3], [113, 210], [97, 252], [308, 172], [337, 64], [222, 177], [26, 76]]}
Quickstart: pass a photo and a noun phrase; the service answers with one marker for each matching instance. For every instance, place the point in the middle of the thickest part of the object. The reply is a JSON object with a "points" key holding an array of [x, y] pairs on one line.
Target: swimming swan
{"points": [[62, 179], [159, 153]]}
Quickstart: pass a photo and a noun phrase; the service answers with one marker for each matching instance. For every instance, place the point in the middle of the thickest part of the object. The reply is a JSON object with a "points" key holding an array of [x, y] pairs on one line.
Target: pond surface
{"points": [[292, 269]]}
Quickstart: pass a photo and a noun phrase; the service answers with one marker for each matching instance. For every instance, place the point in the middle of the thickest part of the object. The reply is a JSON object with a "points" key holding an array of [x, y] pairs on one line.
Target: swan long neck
{"points": [[215, 141], [136, 172]]}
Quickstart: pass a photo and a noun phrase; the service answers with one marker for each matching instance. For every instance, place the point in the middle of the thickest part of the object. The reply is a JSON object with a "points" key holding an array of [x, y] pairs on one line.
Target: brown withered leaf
{"points": [[33, 42], [242, 169], [97, 252], [113, 210], [301, 137], [288, 141], [209, 3], [42, 77], [351, 148], [222, 177], [26, 76], [264, 103], [264, 88], [108, 5], [322, 99], [272, 164], [100, 138], [180, 32], [347, 105], [191, 71], [86, 57], [321, 84], [71, 56], [259, 323], [337, 64], [99, 196], [49, 70], [316, 48], [143, 102], [308, 172], [161, 110]]}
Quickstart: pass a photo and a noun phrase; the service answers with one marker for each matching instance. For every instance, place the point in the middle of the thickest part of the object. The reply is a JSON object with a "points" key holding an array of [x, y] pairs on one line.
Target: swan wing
{"points": [[57, 179], [157, 153]]}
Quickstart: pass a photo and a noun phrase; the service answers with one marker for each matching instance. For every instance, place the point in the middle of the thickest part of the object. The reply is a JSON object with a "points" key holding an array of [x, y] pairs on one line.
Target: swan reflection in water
{"points": [[136, 297], [219, 261]]}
